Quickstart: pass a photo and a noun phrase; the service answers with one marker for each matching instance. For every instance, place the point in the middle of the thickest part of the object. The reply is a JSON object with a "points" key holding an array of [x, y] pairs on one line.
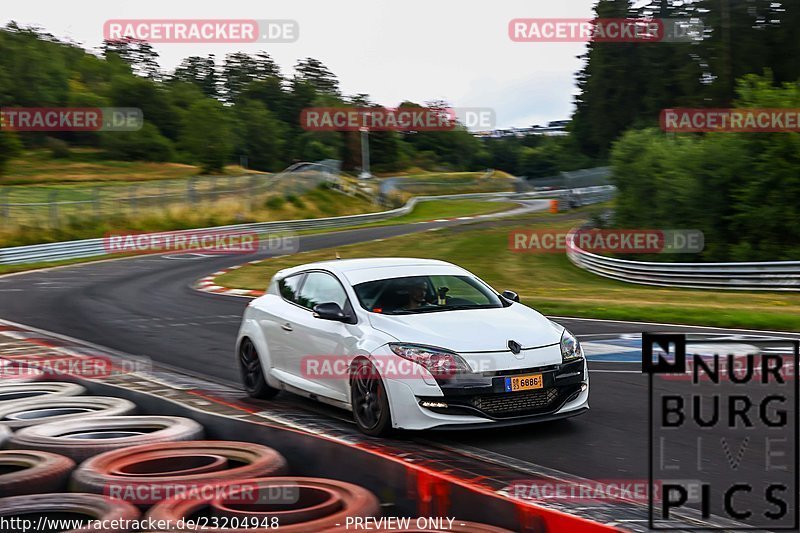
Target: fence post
{"points": [[251, 191], [53, 204], [190, 196], [96, 202], [132, 199], [4, 216]]}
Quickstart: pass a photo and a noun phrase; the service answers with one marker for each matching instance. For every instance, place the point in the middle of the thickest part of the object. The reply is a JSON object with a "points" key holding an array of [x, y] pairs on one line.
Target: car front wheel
{"points": [[369, 400], [253, 373]]}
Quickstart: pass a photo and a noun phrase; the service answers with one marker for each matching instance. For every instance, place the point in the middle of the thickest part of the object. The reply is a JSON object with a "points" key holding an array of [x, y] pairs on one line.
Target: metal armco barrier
{"points": [[763, 276], [40, 253]]}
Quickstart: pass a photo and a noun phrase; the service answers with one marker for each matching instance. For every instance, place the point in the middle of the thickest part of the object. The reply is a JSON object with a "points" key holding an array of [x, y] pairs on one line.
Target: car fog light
{"points": [[440, 405], [584, 386]]}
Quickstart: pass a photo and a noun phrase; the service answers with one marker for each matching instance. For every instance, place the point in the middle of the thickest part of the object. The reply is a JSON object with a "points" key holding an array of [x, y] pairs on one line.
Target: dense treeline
{"points": [[214, 113], [626, 85], [741, 189]]}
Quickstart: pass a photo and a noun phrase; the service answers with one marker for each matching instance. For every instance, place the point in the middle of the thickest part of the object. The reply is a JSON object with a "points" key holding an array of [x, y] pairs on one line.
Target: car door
{"points": [[317, 338], [276, 314]]}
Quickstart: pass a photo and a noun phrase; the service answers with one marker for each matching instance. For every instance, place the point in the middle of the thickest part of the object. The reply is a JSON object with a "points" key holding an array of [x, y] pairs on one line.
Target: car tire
{"points": [[14, 392], [193, 463], [32, 471], [320, 505], [104, 433], [369, 399], [94, 506], [252, 373], [46, 409]]}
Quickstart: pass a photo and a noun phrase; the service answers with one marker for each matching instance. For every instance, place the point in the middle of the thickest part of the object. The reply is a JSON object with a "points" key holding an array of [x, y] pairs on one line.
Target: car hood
{"points": [[472, 330]]}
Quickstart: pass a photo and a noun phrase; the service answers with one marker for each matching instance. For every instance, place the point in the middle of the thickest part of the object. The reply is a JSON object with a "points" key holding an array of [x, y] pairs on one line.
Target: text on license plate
{"points": [[526, 382]]}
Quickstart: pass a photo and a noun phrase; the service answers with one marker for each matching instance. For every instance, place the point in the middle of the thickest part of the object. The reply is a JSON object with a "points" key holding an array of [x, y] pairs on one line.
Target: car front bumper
{"points": [[481, 400]]}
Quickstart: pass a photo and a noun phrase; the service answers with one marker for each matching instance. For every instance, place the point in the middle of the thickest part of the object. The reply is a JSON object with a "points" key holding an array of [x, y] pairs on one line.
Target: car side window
{"points": [[288, 287], [320, 288]]}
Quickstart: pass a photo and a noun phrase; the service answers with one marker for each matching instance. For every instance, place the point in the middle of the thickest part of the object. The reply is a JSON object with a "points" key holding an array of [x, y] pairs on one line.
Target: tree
{"points": [[316, 74], [202, 71], [9, 148], [146, 144], [259, 136], [140, 55], [240, 70], [207, 138]]}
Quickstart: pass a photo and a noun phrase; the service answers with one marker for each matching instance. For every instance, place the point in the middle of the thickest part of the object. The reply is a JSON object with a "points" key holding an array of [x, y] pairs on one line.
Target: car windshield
{"points": [[425, 294]]}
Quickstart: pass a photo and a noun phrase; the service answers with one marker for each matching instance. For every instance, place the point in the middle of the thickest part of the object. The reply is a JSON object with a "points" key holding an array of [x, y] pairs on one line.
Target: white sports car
{"points": [[411, 344]]}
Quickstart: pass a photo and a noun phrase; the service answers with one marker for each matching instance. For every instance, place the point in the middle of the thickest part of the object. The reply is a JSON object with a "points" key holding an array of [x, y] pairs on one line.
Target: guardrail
{"points": [[58, 251], [762, 276]]}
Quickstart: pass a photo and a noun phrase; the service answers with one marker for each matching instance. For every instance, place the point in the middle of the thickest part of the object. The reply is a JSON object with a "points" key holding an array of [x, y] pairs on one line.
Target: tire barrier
{"points": [[296, 504], [69, 506], [46, 409], [12, 392], [32, 471], [5, 434], [81, 439], [152, 470]]}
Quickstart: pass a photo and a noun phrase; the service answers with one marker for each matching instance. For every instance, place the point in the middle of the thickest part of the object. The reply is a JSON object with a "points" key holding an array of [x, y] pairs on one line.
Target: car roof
{"points": [[345, 266]]}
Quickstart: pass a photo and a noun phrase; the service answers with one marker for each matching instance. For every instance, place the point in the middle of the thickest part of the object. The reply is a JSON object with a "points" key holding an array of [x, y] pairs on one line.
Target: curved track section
{"points": [[145, 306]]}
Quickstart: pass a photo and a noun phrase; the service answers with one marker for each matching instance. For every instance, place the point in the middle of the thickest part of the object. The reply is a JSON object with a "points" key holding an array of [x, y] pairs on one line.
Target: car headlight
{"points": [[570, 347], [438, 361]]}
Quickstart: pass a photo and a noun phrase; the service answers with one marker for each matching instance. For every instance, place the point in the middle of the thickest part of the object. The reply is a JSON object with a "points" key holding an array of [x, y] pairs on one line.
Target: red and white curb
{"points": [[209, 284]]}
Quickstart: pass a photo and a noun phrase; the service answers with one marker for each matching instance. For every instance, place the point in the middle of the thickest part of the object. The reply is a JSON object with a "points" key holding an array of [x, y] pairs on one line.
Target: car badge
{"points": [[515, 347]]}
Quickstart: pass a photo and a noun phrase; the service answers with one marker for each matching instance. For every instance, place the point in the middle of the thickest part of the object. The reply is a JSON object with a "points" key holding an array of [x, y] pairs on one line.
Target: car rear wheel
{"points": [[253, 373], [369, 400]]}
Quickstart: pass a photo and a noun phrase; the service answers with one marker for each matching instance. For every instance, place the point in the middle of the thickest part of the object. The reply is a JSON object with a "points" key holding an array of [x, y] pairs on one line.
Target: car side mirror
{"points": [[510, 295], [330, 311]]}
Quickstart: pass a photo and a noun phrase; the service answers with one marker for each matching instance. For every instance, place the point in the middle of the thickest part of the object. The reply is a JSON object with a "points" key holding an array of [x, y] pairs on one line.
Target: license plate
{"points": [[526, 382]]}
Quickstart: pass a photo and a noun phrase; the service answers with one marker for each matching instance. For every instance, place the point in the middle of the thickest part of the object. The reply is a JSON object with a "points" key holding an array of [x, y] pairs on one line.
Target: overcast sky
{"points": [[419, 50]]}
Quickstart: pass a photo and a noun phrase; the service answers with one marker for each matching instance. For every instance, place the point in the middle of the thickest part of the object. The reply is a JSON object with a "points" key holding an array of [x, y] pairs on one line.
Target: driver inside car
{"points": [[416, 290]]}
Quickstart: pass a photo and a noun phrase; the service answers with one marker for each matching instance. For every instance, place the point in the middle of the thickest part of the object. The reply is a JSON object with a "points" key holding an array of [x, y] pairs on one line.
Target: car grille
{"points": [[515, 402]]}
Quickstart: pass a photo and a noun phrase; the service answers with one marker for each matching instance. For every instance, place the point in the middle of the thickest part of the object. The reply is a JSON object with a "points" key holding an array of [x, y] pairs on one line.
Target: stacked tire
{"points": [[67, 455]]}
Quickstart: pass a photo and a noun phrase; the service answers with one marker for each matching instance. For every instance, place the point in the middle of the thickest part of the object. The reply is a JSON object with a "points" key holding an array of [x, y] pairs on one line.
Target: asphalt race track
{"points": [[146, 306]]}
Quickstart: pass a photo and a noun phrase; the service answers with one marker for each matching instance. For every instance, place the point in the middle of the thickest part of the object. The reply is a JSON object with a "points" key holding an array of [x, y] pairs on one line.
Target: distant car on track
{"points": [[411, 344]]}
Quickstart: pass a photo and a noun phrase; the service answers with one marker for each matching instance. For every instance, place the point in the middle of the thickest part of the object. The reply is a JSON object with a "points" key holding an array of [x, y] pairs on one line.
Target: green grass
{"points": [[315, 203], [89, 166], [551, 284], [436, 183], [425, 211]]}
